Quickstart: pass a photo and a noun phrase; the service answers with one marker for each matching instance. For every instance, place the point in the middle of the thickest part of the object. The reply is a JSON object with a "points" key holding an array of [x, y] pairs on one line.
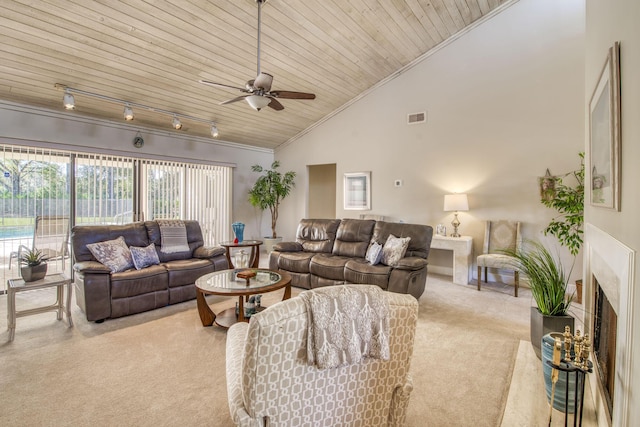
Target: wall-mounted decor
{"points": [[604, 133], [547, 186], [357, 191]]}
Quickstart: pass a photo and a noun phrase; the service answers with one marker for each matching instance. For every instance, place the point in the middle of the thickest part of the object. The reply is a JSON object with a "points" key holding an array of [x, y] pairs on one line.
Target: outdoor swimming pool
{"points": [[16, 232]]}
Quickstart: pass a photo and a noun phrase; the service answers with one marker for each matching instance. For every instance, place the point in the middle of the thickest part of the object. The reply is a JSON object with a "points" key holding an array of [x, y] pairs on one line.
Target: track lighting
{"points": [[68, 101], [128, 113], [177, 124]]}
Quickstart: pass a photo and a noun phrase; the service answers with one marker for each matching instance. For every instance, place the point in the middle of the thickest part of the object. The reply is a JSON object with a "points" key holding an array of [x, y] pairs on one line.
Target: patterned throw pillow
{"points": [[394, 249], [144, 257], [113, 253], [374, 253]]}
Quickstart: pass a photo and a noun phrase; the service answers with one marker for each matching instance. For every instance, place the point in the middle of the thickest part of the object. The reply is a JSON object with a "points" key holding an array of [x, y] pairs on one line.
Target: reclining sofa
{"points": [[332, 251], [103, 294]]}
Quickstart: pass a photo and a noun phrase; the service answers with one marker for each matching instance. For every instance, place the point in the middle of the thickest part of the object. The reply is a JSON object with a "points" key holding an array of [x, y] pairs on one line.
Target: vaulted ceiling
{"points": [[154, 52]]}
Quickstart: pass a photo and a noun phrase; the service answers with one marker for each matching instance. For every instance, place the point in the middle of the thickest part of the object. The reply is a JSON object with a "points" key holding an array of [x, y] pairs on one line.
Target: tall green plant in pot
{"points": [[568, 201], [548, 282], [268, 191]]}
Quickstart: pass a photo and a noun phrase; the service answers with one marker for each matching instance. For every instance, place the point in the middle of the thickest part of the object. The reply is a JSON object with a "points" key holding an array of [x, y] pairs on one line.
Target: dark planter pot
{"points": [[31, 274], [542, 325]]}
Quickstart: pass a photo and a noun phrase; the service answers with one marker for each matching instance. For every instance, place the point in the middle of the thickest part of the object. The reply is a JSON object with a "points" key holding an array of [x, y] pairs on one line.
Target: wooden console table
{"points": [[462, 248]]}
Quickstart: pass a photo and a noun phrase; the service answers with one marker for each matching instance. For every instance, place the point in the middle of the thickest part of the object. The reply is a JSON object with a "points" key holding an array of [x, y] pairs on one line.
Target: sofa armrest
{"points": [[411, 263], [207, 252], [236, 338], [288, 247], [93, 267], [400, 403]]}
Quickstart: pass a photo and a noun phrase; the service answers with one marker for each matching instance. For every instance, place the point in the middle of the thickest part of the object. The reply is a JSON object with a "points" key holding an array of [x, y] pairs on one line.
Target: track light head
{"points": [[214, 130], [177, 124], [68, 101], [128, 113]]}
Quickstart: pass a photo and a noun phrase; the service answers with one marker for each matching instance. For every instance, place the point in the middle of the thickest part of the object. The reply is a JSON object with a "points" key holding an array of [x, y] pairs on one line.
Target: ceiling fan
{"points": [[258, 93]]}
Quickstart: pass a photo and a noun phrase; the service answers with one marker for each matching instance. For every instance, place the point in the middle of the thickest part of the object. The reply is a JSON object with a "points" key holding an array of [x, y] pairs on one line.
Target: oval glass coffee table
{"points": [[226, 283]]}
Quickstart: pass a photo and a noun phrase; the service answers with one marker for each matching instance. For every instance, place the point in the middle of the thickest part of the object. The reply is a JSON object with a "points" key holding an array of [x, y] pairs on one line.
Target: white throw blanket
{"points": [[346, 324], [174, 236]]}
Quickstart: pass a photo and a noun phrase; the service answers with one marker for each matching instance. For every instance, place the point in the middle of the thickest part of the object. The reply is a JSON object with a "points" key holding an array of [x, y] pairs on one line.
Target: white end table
{"points": [[462, 248], [58, 280]]}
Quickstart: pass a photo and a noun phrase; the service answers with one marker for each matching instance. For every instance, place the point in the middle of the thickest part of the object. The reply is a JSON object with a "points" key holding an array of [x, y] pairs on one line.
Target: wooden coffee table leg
{"points": [[255, 254], [206, 315], [287, 292]]}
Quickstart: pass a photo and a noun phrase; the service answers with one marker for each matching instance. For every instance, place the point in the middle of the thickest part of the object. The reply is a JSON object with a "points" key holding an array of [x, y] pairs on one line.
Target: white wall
{"points": [[46, 128], [608, 21], [505, 102]]}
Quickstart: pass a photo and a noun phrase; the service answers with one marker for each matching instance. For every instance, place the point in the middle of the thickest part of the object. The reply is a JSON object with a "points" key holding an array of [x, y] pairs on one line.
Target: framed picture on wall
{"points": [[604, 135], [357, 191]]}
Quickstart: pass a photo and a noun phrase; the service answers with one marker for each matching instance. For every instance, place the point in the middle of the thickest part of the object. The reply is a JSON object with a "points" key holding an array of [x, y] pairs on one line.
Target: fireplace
{"points": [[609, 268]]}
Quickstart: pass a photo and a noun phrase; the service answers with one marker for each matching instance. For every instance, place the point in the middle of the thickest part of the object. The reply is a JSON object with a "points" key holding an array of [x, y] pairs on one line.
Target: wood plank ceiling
{"points": [[153, 52]]}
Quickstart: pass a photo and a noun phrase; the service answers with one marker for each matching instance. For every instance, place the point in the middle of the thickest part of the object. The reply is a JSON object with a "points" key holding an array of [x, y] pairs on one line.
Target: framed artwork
{"points": [[357, 191], [604, 135]]}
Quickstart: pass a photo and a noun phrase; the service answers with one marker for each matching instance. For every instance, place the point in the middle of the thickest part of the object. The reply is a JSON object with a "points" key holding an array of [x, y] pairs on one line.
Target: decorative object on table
{"points": [[33, 265], [267, 193], [241, 259], [548, 283], [238, 231], [605, 134], [456, 203], [441, 230], [246, 275], [574, 364], [357, 191], [547, 186]]}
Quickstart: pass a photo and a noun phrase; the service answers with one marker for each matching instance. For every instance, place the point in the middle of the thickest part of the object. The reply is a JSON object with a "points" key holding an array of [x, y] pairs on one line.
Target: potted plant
{"points": [[548, 282], [267, 193], [568, 201], [33, 265]]}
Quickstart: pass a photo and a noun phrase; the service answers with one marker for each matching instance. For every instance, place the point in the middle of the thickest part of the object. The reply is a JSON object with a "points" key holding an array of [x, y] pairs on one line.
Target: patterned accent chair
{"points": [[270, 383], [499, 235]]}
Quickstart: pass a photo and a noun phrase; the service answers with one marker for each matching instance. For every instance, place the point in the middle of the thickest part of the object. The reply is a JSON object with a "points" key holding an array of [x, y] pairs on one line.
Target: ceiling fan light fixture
{"points": [[257, 102], [177, 124], [214, 130], [128, 113], [68, 101]]}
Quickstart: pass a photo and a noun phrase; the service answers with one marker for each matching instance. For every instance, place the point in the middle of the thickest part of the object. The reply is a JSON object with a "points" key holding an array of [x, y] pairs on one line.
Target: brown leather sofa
{"points": [[102, 294], [332, 251]]}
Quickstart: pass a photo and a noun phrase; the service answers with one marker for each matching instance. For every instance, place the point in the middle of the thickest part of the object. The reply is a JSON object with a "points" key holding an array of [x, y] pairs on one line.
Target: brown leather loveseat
{"points": [[332, 251], [104, 294]]}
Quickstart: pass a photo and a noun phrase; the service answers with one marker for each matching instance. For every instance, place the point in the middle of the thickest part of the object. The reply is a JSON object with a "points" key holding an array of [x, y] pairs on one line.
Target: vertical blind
{"points": [[107, 189]]}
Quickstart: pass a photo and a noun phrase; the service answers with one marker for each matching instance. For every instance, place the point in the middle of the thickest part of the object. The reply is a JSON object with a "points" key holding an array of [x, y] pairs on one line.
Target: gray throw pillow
{"points": [[394, 249], [144, 257], [113, 253], [374, 253]]}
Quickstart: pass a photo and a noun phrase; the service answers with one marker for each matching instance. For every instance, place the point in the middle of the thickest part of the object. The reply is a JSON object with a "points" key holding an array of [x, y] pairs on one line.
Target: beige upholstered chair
{"points": [[499, 235], [270, 383]]}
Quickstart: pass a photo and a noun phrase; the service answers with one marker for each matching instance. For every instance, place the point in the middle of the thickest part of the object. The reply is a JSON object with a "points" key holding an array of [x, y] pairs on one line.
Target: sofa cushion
{"points": [[297, 262], [137, 282], [360, 271], [420, 236], [135, 234], [328, 266], [353, 237], [113, 253], [144, 257], [394, 249], [186, 271], [317, 235]]}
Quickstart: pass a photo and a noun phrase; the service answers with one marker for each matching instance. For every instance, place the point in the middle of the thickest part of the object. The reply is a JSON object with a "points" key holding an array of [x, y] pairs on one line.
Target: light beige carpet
{"points": [[162, 368]]}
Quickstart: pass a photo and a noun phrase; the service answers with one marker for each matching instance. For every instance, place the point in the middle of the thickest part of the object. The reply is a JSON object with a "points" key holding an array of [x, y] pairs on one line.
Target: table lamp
{"points": [[455, 203]]}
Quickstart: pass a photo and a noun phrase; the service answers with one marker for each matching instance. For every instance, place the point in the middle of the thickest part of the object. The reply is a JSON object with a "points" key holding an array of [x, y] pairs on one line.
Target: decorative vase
{"points": [[31, 274], [241, 259], [542, 325], [559, 396], [238, 230]]}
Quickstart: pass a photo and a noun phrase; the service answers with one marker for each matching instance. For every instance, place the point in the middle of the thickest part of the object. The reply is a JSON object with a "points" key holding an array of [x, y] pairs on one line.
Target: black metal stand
{"points": [[568, 368]]}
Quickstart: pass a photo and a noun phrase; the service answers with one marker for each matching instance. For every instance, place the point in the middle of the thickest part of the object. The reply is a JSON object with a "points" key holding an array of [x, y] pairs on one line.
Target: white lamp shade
{"points": [[456, 202], [258, 102]]}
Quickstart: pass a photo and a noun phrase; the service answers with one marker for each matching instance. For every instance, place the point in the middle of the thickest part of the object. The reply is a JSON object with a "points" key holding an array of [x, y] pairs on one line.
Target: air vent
{"points": [[415, 118]]}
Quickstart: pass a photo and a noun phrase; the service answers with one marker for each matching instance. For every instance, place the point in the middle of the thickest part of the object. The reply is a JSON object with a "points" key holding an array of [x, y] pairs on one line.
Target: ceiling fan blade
{"points": [[205, 82], [275, 104], [263, 81], [236, 99], [286, 94]]}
